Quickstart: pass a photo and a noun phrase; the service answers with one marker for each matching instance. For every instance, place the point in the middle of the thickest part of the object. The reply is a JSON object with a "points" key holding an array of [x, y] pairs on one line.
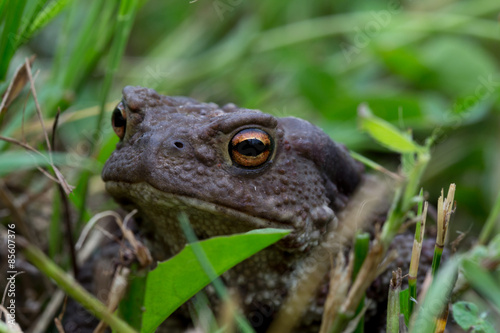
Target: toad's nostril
{"points": [[179, 144]]}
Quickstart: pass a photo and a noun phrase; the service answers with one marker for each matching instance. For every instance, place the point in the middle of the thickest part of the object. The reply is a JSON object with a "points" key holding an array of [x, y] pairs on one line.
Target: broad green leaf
{"points": [[134, 298], [176, 280], [385, 133], [467, 315]]}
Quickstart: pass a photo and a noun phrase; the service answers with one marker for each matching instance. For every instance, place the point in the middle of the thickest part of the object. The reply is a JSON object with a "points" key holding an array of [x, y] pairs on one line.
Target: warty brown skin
{"points": [[174, 157]]}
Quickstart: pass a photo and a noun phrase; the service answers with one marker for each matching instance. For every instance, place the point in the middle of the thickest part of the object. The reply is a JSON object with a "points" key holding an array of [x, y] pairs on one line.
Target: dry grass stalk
{"points": [[340, 280], [228, 313], [360, 210], [115, 295], [445, 209], [365, 277], [415, 259]]}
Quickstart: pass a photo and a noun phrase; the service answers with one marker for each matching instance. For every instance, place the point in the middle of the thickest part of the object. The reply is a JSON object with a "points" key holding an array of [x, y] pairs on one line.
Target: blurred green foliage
{"points": [[422, 65], [428, 66]]}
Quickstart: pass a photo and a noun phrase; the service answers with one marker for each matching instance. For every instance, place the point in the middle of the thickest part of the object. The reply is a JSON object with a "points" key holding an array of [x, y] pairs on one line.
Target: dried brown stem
{"points": [[37, 105], [354, 217]]}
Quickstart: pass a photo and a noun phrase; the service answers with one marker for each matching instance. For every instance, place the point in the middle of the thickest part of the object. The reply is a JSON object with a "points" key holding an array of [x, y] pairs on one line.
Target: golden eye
{"points": [[250, 147], [119, 120]]}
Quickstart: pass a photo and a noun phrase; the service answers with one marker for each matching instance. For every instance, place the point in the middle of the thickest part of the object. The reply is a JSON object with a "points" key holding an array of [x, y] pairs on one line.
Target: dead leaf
{"points": [[16, 85]]}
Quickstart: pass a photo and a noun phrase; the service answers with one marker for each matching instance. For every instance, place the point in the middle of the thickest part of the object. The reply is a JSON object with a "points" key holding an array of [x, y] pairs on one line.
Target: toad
{"points": [[231, 170]]}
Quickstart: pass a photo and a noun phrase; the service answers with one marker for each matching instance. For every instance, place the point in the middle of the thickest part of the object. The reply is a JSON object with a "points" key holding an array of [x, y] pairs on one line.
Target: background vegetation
{"points": [[428, 66]]}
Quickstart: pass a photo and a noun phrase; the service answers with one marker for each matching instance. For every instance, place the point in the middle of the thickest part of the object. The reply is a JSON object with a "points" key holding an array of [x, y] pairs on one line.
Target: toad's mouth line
{"points": [[142, 193]]}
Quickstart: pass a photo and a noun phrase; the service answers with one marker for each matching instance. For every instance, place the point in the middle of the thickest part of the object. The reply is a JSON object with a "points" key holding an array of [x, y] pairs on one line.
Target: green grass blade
{"points": [[30, 12], [482, 281], [491, 222], [414, 176], [20, 160], [60, 60], [126, 14], [415, 256], [2, 11], [361, 247], [43, 16], [404, 302], [420, 209], [372, 164], [77, 54], [436, 298], [436, 259], [125, 19], [393, 303], [55, 227], [9, 39], [83, 46]]}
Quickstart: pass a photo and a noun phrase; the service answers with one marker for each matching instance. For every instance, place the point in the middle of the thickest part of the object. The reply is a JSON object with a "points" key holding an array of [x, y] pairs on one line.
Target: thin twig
{"points": [[65, 204], [9, 281], [90, 224], [22, 144], [38, 109], [59, 325], [116, 294], [11, 328], [48, 175], [60, 179], [24, 109], [54, 127]]}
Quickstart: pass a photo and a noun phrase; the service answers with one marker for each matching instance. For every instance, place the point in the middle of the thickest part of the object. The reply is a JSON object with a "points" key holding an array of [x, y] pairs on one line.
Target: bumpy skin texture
{"points": [[174, 157]]}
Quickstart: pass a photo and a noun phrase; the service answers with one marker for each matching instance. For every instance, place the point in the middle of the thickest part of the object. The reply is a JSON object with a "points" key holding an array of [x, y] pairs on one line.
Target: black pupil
{"points": [[118, 119], [251, 147]]}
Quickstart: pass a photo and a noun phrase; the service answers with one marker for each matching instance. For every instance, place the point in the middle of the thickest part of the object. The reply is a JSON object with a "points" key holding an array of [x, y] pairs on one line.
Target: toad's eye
{"points": [[250, 147], [119, 120]]}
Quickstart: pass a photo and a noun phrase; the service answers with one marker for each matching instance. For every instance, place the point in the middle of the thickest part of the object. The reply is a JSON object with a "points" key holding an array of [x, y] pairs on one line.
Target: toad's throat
{"points": [[133, 195], [161, 218]]}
